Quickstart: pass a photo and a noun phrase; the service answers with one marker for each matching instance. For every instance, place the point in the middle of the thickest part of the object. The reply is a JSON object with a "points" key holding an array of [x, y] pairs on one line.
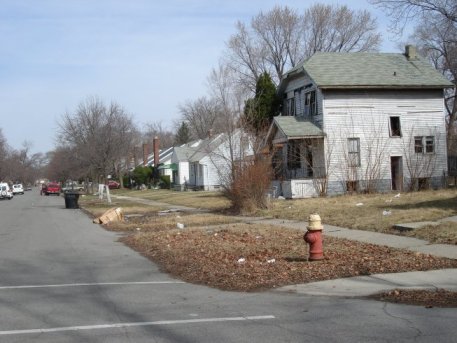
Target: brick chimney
{"points": [[410, 52], [156, 148], [145, 154]]}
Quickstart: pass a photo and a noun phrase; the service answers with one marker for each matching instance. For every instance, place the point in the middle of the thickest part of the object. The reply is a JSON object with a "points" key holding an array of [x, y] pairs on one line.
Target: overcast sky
{"points": [[147, 55]]}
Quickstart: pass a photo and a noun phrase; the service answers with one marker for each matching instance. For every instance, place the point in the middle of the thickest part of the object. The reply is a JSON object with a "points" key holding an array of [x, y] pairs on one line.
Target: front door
{"points": [[396, 167]]}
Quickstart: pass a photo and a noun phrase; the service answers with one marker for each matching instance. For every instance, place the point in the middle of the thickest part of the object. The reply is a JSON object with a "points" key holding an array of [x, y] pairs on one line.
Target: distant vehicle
{"points": [[51, 188], [113, 184], [18, 188], [72, 186], [5, 191]]}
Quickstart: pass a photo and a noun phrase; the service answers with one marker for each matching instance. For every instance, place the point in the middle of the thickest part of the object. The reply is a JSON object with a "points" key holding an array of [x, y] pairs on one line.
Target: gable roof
{"points": [[197, 150], [164, 156], [369, 70]]}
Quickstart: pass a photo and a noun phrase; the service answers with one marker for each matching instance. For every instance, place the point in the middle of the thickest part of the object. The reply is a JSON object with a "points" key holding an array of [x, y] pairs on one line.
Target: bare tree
{"points": [[202, 115], [402, 12], [155, 129], [101, 136], [4, 151], [280, 38], [339, 29]]}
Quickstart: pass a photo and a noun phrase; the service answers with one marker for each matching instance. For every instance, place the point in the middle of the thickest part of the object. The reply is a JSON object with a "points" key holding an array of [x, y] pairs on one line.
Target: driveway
{"points": [[64, 279]]}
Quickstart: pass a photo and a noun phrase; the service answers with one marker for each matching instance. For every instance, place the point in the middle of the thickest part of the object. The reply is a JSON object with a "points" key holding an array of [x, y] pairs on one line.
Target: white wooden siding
{"points": [[365, 115]]}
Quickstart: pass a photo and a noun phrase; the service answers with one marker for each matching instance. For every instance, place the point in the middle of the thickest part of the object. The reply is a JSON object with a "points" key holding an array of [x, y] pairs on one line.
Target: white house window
{"points": [[418, 145], [395, 128], [429, 144], [354, 152], [424, 144]]}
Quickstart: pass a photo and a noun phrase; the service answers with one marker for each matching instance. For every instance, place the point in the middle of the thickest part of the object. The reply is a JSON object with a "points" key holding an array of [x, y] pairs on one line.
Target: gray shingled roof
{"points": [[293, 127], [370, 70]]}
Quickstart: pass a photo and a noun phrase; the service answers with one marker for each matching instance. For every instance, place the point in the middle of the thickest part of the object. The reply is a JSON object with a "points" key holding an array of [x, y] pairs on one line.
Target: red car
{"points": [[51, 188], [113, 184]]}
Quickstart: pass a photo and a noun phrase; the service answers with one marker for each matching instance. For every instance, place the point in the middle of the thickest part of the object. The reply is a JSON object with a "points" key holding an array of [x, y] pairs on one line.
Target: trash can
{"points": [[71, 199]]}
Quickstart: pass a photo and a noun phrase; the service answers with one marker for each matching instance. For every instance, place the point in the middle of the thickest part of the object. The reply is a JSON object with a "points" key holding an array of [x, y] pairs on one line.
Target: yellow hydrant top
{"points": [[314, 222]]}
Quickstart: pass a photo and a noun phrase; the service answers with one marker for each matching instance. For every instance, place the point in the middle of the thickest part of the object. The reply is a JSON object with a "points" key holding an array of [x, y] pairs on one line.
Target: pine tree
{"points": [[260, 110], [183, 134]]}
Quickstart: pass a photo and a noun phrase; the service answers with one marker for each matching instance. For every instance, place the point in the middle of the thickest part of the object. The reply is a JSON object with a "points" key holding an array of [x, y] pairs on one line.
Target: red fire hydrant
{"points": [[314, 238]]}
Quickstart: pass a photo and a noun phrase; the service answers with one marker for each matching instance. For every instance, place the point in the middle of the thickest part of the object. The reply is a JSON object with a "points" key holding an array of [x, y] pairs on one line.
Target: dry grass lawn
{"points": [[198, 199], [366, 212]]}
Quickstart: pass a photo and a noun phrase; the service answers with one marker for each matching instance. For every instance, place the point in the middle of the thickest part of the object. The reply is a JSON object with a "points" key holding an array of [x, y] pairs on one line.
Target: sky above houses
{"points": [[149, 56]]}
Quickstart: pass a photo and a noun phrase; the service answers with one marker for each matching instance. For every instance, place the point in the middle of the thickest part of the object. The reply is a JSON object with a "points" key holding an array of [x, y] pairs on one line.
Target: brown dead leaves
{"points": [[253, 257]]}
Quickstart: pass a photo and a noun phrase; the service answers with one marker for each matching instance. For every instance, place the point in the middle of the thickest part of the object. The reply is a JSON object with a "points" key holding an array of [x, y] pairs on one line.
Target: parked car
{"points": [[72, 186], [5, 191], [51, 188], [113, 184], [18, 188]]}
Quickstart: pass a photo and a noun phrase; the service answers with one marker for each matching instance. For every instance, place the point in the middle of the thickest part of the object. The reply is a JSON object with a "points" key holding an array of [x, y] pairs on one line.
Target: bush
{"points": [[142, 175], [165, 181], [249, 186]]}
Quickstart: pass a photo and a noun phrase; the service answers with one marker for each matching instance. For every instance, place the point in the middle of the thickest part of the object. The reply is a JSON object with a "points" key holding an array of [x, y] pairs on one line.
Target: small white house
{"points": [[206, 164], [359, 122], [165, 166]]}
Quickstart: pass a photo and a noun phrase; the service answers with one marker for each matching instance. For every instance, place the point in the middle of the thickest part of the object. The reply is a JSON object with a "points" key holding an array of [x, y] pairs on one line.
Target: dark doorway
{"points": [[396, 167]]}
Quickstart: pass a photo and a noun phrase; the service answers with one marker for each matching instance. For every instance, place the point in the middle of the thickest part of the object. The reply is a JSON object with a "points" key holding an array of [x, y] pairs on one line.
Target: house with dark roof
{"points": [[206, 164], [365, 122]]}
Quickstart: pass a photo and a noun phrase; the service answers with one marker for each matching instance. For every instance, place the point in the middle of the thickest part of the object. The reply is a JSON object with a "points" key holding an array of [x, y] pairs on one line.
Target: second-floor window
{"points": [[395, 128], [310, 108]]}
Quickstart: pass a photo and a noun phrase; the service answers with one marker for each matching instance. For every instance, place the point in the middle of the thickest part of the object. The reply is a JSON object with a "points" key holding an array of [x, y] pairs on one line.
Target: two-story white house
{"points": [[359, 122]]}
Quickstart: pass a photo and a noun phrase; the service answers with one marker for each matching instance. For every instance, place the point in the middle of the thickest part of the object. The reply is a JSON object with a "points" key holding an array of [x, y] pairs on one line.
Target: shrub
{"points": [[249, 186]]}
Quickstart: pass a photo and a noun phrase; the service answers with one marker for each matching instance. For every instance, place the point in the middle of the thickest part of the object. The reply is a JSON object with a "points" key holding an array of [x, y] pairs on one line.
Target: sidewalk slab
{"points": [[413, 226], [376, 283], [393, 241], [441, 250]]}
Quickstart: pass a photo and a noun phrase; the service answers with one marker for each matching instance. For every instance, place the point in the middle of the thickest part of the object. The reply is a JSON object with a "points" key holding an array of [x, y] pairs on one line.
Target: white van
{"points": [[5, 191], [18, 188]]}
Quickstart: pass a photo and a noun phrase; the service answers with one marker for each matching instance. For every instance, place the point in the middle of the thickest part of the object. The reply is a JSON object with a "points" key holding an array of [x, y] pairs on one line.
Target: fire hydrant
{"points": [[314, 238]]}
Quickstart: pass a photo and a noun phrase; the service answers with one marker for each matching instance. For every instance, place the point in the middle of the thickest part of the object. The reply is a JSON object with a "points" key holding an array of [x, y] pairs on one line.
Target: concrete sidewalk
{"points": [[376, 283]]}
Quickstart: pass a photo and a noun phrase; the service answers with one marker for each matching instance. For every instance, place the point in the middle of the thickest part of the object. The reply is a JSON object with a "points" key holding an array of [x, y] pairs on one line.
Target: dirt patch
{"points": [[247, 257], [427, 298]]}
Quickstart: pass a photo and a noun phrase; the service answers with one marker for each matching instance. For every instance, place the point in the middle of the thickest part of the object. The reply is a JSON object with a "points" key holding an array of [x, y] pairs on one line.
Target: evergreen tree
{"points": [[260, 110], [183, 134]]}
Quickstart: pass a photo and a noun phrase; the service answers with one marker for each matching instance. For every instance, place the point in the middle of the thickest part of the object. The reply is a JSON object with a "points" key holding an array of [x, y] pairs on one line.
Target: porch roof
{"points": [[296, 128]]}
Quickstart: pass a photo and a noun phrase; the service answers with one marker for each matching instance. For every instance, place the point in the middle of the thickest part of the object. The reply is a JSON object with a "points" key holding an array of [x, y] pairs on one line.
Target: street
{"points": [[65, 279]]}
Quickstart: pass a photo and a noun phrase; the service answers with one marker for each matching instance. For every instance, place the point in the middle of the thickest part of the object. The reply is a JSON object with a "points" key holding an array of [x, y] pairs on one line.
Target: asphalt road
{"points": [[64, 279]]}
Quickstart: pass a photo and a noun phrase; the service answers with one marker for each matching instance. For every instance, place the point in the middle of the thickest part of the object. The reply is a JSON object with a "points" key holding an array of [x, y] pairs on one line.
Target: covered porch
{"points": [[297, 152]]}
